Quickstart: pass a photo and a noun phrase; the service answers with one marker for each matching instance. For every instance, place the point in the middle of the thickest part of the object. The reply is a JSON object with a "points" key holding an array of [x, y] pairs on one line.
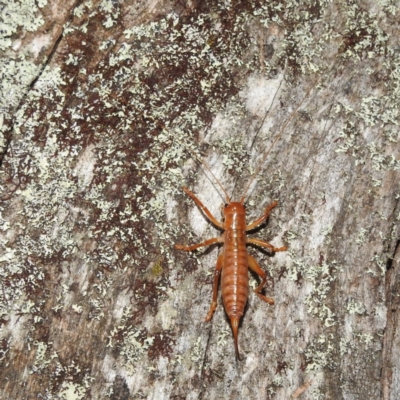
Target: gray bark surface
{"points": [[109, 108]]}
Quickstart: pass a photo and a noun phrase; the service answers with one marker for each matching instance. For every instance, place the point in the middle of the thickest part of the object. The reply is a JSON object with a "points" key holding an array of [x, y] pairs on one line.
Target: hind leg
{"points": [[217, 273], [261, 273]]}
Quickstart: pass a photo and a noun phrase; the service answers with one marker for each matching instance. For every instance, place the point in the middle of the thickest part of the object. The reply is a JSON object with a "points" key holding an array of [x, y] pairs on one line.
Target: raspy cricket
{"points": [[234, 261]]}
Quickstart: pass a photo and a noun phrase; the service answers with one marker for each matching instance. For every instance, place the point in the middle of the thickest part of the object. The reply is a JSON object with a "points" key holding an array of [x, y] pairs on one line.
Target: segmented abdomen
{"points": [[234, 279]]}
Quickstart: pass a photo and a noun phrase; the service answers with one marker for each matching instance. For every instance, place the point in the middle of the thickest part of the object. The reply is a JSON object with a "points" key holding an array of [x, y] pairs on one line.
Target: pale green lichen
{"points": [[111, 10], [321, 278], [222, 337], [353, 307], [19, 14], [17, 70], [362, 236], [196, 353], [317, 394], [319, 353], [133, 346], [72, 391], [277, 381], [380, 261]]}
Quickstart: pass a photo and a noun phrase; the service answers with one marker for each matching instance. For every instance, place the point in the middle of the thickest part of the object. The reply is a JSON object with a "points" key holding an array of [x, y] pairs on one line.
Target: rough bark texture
{"points": [[108, 108]]}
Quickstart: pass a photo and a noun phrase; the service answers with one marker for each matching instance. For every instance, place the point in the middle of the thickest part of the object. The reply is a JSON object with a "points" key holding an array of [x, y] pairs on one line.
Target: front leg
{"points": [[203, 208]]}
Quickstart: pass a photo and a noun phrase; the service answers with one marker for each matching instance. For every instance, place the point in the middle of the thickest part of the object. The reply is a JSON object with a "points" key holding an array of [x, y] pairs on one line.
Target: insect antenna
{"points": [[261, 125], [256, 172], [194, 155]]}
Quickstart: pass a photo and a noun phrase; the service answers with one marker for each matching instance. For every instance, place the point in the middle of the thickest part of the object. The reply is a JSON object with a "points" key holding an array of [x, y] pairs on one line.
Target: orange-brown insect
{"points": [[234, 261]]}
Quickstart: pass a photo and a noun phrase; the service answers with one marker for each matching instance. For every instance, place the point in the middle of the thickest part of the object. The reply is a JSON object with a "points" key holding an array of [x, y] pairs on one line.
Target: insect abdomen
{"points": [[234, 280]]}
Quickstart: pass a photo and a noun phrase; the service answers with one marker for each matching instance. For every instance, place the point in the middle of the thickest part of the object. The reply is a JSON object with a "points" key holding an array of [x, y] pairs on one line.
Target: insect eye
{"points": [[226, 205]]}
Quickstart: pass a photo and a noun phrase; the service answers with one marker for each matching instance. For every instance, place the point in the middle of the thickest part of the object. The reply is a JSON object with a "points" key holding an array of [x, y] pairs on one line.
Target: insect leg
{"points": [[203, 208], [261, 273], [217, 273], [267, 245], [260, 220], [202, 244]]}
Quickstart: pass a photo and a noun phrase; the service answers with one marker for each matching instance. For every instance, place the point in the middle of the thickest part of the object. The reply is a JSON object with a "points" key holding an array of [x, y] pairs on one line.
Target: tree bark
{"points": [[109, 109]]}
